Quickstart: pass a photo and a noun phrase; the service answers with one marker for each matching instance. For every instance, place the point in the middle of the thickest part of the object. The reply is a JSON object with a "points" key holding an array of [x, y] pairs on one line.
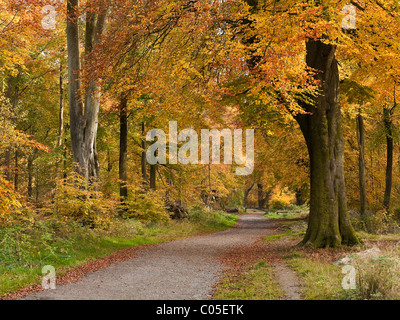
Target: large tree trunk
{"points": [[329, 223], [387, 118], [83, 120], [361, 165], [75, 103], [123, 151]]}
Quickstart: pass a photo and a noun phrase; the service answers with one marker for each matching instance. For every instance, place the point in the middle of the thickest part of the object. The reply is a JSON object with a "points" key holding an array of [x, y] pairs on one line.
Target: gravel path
{"points": [[181, 269], [287, 282]]}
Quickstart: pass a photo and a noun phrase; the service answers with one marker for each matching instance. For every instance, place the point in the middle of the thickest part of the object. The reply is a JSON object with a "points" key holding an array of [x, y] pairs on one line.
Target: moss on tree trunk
{"points": [[329, 222]]}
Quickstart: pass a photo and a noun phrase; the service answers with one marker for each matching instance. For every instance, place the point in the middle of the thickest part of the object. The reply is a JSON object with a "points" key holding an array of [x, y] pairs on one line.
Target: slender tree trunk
{"points": [[7, 162], [16, 170], [361, 165], [37, 184], [12, 96], [263, 197], [30, 177], [260, 196], [246, 195], [61, 111], [267, 199], [329, 222], [153, 172], [143, 157], [123, 151], [109, 163], [387, 118], [65, 163], [60, 121], [299, 194]]}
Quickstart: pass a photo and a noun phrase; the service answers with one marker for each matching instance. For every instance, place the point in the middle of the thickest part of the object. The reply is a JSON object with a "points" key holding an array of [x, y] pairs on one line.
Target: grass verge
{"points": [[376, 277], [255, 283]]}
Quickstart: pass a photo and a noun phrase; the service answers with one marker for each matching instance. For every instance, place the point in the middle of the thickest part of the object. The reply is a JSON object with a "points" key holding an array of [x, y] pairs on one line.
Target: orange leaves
{"points": [[9, 199]]}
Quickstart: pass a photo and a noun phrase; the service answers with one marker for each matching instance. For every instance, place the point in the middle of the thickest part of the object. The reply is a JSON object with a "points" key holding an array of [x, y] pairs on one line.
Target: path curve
{"points": [[181, 269]]}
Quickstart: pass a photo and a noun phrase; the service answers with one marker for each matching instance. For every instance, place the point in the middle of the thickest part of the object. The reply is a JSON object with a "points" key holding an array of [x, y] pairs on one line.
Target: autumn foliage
{"points": [[205, 64]]}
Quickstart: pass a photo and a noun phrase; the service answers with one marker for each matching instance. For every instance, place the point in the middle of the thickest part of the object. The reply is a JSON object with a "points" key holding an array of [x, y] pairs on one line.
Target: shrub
{"points": [[9, 199], [28, 238], [145, 206], [280, 204], [242, 210], [396, 214], [203, 215], [377, 279], [381, 222], [76, 200]]}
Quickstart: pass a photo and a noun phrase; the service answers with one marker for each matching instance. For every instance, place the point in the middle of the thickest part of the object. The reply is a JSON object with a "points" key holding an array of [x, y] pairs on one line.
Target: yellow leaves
{"points": [[75, 199], [10, 62]]}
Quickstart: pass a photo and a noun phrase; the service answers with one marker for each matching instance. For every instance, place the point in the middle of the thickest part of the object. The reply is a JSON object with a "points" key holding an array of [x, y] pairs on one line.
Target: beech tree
{"points": [[318, 115], [84, 102], [329, 224]]}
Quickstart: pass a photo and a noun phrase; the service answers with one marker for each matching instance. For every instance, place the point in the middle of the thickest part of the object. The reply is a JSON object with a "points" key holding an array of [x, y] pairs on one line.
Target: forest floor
{"points": [[190, 268]]}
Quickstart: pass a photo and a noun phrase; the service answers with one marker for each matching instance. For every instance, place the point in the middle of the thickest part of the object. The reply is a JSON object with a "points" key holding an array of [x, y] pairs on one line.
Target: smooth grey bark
{"points": [[83, 118], [74, 86]]}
